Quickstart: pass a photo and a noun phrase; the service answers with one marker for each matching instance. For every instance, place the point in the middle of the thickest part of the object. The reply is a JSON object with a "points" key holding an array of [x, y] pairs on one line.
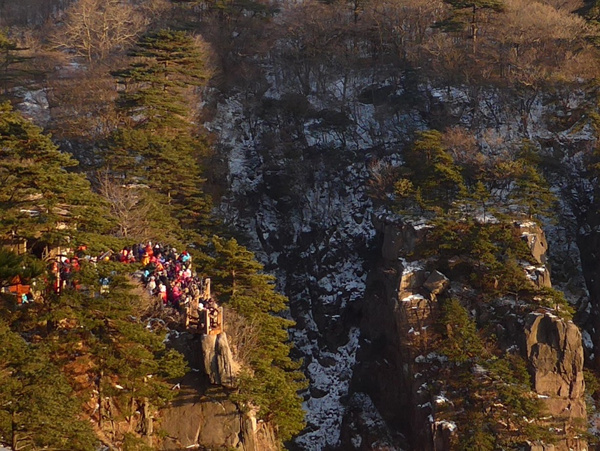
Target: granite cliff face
{"points": [[399, 360], [218, 362], [555, 355], [203, 416]]}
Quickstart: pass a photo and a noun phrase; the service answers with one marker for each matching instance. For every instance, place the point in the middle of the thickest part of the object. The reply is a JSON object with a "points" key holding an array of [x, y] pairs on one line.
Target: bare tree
{"points": [[94, 28], [128, 205], [83, 105]]}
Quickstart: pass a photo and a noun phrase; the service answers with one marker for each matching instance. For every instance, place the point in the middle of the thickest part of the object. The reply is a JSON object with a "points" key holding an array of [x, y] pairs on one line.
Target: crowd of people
{"points": [[64, 273], [166, 274]]}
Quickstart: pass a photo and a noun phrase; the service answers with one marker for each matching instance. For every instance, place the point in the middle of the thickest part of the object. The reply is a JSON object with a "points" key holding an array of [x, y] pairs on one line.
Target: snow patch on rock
{"points": [[325, 414]]}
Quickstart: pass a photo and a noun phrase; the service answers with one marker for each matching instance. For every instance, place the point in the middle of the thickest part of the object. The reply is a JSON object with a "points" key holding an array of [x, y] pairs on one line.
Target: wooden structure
{"points": [[208, 319], [16, 245], [18, 288], [211, 321]]}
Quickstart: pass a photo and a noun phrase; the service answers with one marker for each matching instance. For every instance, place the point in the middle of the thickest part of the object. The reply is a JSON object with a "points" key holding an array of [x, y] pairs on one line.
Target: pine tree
{"points": [[462, 342], [272, 381], [22, 266], [159, 144], [128, 364], [10, 60], [532, 191], [480, 197], [40, 198], [159, 84], [495, 5], [433, 171], [475, 6], [37, 409]]}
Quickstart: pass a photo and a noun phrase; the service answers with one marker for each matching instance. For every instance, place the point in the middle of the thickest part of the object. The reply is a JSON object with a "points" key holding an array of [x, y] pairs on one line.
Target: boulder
{"points": [[412, 280], [214, 431], [219, 365], [399, 238], [436, 283], [209, 421], [396, 240], [443, 433], [563, 445]]}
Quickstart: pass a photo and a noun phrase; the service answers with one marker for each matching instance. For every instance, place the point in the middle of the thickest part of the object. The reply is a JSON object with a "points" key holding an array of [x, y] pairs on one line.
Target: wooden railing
{"points": [[207, 319]]}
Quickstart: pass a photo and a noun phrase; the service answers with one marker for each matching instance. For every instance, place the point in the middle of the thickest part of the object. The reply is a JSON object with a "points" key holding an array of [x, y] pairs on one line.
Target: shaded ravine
{"points": [[309, 218]]}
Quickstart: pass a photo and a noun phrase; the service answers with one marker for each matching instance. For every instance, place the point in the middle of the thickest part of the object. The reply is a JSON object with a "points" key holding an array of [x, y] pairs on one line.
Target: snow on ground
{"points": [[330, 219], [334, 212], [34, 105], [587, 340], [325, 414]]}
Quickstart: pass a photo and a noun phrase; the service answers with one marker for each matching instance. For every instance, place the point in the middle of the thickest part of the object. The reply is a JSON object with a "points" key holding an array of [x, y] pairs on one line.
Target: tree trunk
{"points": [[132, 413], [14, 441], [233, 282], [100, 407], [147, 422]]}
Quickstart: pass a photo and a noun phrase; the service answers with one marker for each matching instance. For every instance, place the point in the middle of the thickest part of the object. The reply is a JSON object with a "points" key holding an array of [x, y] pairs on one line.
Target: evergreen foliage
{"points": [[271, 380], [491, 394], [158, 147], [169, 64], [433, 171], [472, 212], [473, 239], [115, 354], [434, 182], [39, 198], [495, 5], [532, 191], [488, 252], [158, 144], [13, 265], [37, 407], [462, 340], [11, 59]]}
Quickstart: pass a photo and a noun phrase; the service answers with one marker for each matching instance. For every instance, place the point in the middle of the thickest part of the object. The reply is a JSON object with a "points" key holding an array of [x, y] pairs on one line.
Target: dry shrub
{"points": [[150, 309], [128, 205], [242, 334], [383, 177], [534, 22], [568, 6], [83, 104], [461, 143]]}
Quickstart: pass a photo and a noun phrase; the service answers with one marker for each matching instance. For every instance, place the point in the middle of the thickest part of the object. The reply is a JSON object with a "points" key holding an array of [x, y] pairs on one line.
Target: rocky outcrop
{"points": [[219, 365], [555, 356], [398, 237], [398, 330], [209, 420], [539, 276], [569, 445], [554, 353], [398, 359], [436, 283], [535, 238], [202, 416]]}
